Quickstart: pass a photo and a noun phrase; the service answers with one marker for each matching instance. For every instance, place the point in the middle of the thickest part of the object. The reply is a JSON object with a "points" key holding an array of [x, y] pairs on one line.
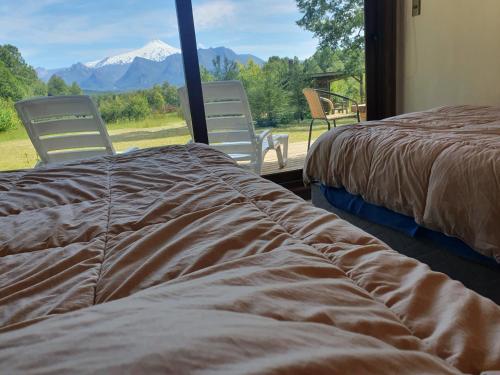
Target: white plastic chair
{"points": [[230, 126], [64, 128]]}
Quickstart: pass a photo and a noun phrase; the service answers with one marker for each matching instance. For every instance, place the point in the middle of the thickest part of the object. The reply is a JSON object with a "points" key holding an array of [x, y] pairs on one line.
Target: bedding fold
{"points": [[441, 167], [175, 260]]}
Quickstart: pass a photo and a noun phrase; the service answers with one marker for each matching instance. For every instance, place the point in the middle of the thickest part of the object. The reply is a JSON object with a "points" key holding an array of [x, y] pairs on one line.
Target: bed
{"points": [[440, 168], [176, 260]]}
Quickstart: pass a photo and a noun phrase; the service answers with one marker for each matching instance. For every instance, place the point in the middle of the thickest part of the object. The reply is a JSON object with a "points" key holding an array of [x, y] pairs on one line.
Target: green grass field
{"points": [[17, 152]]}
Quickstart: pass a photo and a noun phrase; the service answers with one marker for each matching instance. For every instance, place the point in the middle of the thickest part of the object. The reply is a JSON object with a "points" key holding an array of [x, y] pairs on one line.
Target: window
{"points": [[276, 49], [125, 55]]}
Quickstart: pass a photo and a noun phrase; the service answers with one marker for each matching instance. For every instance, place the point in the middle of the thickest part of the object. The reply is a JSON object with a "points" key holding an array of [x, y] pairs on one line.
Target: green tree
{"points": [[10, 86], [17, 79], [205, 74], [112, 107], [266, 91], [170, 94], [74, 89], [8, 116], [155, 99], [252, 78], [327, 60], [137, 107], [224, 70], [339, 25], [57, 87], [297, 80], [275, 96]]}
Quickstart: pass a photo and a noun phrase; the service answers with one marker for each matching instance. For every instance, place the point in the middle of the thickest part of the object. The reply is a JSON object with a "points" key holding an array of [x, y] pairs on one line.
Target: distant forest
{"points": [[274, 89]]}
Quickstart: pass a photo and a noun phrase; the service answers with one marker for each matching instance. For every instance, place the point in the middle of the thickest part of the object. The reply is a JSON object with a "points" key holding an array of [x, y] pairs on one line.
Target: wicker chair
{"points": [[331, 113]]}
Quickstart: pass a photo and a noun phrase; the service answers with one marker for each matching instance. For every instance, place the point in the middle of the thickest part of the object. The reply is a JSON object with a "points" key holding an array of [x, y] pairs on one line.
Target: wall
{"points": [[450, 54]]}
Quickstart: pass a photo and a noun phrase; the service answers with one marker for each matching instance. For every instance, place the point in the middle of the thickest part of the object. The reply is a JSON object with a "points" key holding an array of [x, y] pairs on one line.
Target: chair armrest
{"points": [[266, 134], [342, 97], [330, 104]]}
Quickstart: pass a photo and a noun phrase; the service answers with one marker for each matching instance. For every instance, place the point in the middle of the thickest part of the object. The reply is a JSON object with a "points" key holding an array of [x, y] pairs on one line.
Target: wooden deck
{"points": [[296, 156]]}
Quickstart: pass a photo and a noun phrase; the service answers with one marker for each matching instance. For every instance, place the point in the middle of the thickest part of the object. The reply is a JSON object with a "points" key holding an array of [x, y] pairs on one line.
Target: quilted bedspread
{"points": [[441, 167], [174, 260]]}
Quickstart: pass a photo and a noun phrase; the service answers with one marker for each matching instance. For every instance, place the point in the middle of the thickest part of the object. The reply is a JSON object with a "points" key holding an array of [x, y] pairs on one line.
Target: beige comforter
{"points": [[174, 260], [441, 166]]}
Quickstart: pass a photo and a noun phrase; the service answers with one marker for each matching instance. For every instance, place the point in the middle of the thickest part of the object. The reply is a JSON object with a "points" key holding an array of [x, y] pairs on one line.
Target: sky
{"points": [[58, 33]]}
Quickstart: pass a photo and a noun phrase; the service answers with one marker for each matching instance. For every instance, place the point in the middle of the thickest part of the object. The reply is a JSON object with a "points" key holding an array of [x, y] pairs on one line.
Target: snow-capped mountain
{"points": [[155, 50], [153, 64]]}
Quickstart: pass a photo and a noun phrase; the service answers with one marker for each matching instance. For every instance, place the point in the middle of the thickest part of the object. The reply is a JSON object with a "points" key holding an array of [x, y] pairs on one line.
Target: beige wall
{"points": [[450, 54]]}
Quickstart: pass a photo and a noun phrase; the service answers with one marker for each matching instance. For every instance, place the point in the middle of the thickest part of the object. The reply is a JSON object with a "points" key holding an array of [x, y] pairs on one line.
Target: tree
{"points": [[339, 25], [276, 97], [170, 94], [155, 99], [8, 115], [10, 87], [205, 74], [74, 89], [137, 107], [56, 86], [226, 70], [252, 78], [266, 91], [112, 107], [17, 79], [297, 80]]}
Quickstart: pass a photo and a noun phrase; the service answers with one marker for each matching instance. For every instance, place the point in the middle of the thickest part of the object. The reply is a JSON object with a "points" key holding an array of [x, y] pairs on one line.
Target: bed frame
{"points": [[481, 278]]}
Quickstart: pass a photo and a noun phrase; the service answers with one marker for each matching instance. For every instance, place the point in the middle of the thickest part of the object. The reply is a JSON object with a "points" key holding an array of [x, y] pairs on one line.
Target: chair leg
{"points": [[284, 148], [279, 154], [259, 160], [310, 133], [334, 123], [328, 122]]}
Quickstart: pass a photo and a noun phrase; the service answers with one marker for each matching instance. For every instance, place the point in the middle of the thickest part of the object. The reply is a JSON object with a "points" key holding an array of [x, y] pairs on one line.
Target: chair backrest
{"points": [[229, 120], [314, 101], [64, 128]]}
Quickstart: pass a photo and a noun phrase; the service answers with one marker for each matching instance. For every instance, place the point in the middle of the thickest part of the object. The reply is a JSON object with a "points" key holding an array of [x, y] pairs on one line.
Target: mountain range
{"points": [[154, 63]]}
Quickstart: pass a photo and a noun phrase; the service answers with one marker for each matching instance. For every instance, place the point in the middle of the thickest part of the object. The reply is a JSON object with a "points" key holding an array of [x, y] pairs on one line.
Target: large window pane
{"points": [[124, 54], [276, 49]]}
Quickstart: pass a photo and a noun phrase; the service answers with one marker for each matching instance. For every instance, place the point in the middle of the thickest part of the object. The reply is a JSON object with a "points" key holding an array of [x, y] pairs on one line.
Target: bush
{"points": [[111, 108], [266, 123], [8, 116], [137, 107]]}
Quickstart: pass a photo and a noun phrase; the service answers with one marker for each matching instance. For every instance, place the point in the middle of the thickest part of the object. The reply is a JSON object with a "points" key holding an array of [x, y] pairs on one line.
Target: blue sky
{"points": [[58, 33]]}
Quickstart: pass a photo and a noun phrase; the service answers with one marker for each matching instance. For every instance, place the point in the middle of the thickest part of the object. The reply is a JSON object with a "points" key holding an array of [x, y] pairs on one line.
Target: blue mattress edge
{"points": [[355, 204]]}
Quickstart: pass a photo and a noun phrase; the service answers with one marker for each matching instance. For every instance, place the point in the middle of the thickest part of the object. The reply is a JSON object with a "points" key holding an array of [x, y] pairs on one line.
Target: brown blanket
{"points": [[441, 166], [175, 260]]}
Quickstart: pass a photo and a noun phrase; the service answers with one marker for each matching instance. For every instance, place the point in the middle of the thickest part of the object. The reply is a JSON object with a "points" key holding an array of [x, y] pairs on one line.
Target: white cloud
{"points": [[35, 22], [213, 14]]}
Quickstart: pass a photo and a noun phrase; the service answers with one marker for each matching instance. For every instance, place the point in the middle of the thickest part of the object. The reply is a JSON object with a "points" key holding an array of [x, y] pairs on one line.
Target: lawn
{"points": [[17, 152]]}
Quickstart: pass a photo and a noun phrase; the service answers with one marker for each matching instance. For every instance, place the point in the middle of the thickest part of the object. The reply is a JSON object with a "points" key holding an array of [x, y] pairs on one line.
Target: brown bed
{"points": [[440, 167], [174, 260]]}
